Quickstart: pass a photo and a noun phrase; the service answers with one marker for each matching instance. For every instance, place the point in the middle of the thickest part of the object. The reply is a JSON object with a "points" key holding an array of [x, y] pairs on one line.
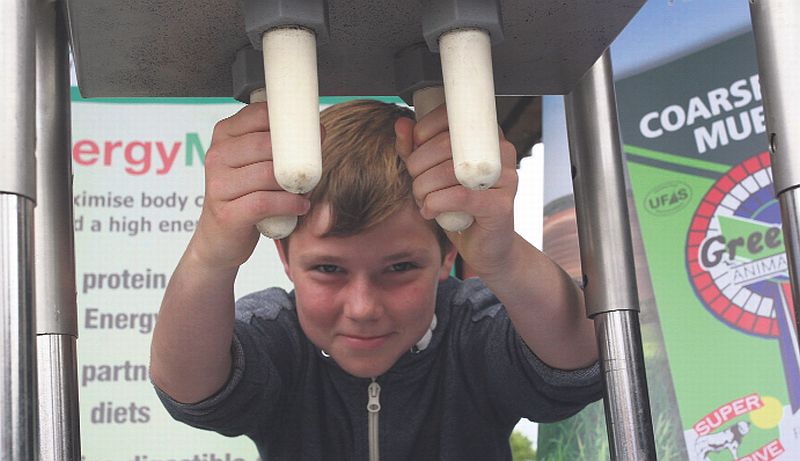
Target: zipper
{"points": [[373, 409]]}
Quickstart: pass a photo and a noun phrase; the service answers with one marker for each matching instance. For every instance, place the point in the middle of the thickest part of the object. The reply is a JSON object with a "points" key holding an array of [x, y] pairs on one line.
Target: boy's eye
{"points": [[327, 268], [402, 267]]}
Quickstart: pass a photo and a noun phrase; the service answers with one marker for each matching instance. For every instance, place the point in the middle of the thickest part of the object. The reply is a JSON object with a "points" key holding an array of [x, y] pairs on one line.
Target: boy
{"points": [[377, 352]]}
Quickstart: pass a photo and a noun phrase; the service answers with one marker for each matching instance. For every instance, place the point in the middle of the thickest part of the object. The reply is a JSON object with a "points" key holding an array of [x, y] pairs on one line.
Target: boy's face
{"points": [[366, 299]]}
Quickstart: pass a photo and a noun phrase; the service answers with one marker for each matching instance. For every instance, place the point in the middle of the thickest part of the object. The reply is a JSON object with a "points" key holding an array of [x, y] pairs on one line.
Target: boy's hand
{"points": [[531, 287], [425, 148], [240, 190]]}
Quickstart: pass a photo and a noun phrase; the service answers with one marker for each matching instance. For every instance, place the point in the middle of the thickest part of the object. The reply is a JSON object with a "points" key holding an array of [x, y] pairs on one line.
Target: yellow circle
{"points": [[769, 415]]}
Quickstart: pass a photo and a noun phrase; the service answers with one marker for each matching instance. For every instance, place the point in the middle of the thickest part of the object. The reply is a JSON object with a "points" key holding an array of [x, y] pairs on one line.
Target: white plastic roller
{"points": [[288, 32], [274, 227], [290, 68], [291, 87], [469, 89], [425, 100]]}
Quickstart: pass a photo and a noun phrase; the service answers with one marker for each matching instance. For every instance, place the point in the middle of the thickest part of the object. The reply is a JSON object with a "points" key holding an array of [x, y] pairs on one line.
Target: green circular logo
{"points": [[668, 198]]}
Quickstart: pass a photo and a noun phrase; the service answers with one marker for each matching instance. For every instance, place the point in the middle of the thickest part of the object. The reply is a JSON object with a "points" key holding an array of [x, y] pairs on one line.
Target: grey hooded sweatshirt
{"points": [[458, 399]]}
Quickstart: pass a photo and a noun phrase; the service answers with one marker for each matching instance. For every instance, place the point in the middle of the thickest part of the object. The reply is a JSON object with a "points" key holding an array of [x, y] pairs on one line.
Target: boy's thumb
{"points": [[404, 137]]}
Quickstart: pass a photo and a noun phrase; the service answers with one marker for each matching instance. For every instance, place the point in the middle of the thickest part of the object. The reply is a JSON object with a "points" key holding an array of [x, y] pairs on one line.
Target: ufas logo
{"points": [[667, 199]]}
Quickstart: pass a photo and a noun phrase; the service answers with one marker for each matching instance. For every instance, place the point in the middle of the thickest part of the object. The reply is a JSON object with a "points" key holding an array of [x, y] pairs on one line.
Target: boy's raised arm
{"points": [[544, 304], [191, 347], [190, 355], [546, 307]]}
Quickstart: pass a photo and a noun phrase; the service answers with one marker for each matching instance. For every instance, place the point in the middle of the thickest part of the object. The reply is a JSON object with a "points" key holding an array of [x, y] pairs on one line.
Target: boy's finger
{"points": [[404, 142], [508, 153], [451, 199], [434, 152], [241, 181], [437, 178], [435, 122], [430, 125], [252, 117], [243, 150], [258, 205]]}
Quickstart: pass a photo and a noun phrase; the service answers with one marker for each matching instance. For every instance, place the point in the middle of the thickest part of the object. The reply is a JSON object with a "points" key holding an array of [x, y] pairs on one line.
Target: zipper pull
{"points": [[373, 407], [374, 391]]}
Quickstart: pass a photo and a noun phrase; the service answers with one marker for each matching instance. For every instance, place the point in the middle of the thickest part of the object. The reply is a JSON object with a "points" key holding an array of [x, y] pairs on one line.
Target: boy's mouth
{"points": [[365, 342]]}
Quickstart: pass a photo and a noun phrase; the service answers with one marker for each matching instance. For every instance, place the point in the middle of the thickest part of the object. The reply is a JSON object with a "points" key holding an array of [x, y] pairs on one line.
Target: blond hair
{"points": [[363, 181]]}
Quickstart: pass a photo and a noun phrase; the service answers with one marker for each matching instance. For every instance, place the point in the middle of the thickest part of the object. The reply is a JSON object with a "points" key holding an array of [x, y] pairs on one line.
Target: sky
{"points": [[662, 31]]}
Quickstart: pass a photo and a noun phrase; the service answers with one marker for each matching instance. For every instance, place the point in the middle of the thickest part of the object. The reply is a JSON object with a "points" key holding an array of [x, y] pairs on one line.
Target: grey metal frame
{"points": [[56, 303], [17, 343], [36, 124], [17, 197], [606, 250], [609, 275]]}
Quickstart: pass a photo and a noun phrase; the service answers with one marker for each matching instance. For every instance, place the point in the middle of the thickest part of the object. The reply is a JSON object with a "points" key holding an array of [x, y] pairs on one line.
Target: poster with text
{"points": [[138, 191], [695, 140]]}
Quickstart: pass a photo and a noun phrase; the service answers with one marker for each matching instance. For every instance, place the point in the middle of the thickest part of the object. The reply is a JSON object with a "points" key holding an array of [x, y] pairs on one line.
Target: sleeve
{"points": [[517, 382], [264, 349]]}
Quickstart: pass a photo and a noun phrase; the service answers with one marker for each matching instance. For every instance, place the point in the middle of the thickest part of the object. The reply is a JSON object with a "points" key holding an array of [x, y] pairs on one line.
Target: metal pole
{"points": [[56, 306], [17, 347], [776, 26], [17, 197], [607, 260]]}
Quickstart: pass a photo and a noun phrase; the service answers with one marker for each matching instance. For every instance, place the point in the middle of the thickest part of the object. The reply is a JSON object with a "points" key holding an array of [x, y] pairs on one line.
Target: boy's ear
{"points": [[447, 263], [284, 259]]}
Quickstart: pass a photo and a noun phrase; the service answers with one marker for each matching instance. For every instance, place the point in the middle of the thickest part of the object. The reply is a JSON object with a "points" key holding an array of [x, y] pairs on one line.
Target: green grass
{"points": [[521, 448]]}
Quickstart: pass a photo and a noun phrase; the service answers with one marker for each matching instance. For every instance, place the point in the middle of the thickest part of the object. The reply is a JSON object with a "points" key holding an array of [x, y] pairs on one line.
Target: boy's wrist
{"points": [[502, 265], [202, 261], [217, 249]]}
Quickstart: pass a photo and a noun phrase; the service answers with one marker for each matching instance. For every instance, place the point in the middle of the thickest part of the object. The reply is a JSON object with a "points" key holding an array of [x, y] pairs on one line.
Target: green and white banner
{"points": [[695, 138], [138, 190]]}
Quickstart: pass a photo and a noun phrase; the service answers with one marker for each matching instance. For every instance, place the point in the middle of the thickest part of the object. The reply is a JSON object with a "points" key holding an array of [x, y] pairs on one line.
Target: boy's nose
{"points": [[362, 301]]}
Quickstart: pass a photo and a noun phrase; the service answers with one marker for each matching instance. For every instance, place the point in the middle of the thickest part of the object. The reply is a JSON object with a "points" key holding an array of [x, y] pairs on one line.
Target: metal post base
{"points": [[59, 417], [622, 362], [17, 346]]}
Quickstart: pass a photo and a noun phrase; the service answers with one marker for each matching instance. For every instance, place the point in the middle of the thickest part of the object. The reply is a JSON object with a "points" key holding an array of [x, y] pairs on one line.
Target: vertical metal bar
{"points": [[56, 306], [17, 196], [607, 259], [776, 26], [17, 337], [59, 426], [17, 104]]}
